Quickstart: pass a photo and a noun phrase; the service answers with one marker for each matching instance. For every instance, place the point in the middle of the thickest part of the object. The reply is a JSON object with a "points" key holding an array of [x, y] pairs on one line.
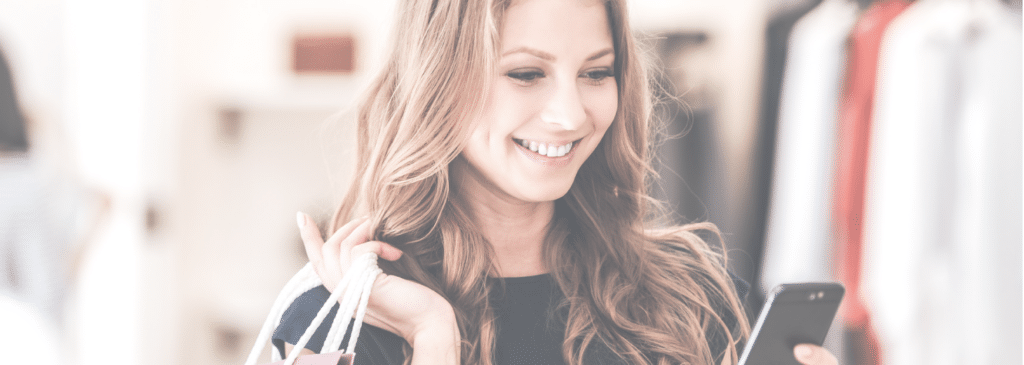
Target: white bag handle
{"points": [[354, 300]]}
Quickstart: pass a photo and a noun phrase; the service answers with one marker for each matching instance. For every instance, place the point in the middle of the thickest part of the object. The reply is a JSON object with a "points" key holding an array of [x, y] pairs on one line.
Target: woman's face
{"points": [[550, 103]]}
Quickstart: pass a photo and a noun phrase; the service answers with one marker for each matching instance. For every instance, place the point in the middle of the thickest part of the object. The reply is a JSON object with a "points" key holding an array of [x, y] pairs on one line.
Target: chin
{"points": [[544, 194]]}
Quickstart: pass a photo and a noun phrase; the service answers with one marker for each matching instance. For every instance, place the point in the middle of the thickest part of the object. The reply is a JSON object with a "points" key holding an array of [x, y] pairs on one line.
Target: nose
{"points": [[565, 108]]}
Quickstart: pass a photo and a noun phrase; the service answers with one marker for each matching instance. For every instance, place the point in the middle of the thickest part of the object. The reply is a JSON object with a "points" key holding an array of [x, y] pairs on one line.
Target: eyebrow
{"points": [[550, 57]]}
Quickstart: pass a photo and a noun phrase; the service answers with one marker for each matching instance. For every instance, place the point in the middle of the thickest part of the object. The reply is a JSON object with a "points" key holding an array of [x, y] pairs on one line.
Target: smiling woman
{"points": [[502, 174]]}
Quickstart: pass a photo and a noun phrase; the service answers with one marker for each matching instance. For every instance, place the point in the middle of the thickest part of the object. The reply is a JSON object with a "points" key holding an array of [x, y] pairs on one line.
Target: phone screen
{"points": [[794, 314]]}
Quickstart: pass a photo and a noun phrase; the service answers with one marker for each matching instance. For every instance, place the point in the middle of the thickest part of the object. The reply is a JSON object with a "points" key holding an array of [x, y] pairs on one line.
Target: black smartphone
{"points": [[793, 314]]}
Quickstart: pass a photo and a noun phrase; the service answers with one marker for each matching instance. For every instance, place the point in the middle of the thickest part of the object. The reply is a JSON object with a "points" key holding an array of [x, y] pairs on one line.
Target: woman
{"points": [[502, 170]]}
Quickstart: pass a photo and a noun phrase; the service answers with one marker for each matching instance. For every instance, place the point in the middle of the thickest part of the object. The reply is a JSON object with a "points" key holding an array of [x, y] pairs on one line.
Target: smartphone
{"points": [[793, 314]]}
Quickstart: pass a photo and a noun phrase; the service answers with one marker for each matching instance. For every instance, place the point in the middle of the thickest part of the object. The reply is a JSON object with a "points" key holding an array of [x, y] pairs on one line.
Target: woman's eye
{"points": [[525, 76], [597, 76]]}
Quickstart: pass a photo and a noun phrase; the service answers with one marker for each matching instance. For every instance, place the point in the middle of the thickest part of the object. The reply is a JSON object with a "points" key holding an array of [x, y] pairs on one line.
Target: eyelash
{"points": [[525, 76], [528, 77], [598, 76]]}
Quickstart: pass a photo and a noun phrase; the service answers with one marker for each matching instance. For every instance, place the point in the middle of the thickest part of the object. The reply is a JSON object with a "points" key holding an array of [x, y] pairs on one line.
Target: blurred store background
{"points": [[148, 217]]}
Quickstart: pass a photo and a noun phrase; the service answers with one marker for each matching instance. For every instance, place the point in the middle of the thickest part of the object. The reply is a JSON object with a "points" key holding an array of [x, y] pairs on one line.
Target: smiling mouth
{"points": [[547, 149]]}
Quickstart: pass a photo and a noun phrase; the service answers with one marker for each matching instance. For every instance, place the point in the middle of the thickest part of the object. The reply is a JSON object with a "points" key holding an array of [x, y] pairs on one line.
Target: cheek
{"points": [[506, 109], [602, 104]]}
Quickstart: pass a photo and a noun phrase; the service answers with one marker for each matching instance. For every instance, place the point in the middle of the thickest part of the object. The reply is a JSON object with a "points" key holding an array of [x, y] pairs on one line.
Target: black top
{"points": [[528, 330]]}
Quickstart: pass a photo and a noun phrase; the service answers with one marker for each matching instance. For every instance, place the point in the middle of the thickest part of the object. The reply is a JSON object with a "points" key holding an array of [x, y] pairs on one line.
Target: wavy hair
{"points": [[653, 296]]}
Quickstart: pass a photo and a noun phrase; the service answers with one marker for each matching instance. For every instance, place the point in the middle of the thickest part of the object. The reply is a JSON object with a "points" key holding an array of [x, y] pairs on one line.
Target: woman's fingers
{"points": [[331, 259], [347, 229], [317, 251], [311, 238], [813, 355], [334, 251], [383, 250], [358, 235]]}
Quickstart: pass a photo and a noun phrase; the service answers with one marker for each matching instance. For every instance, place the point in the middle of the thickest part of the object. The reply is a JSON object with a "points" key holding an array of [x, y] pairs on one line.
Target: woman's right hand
{"points": [[409, 309]]}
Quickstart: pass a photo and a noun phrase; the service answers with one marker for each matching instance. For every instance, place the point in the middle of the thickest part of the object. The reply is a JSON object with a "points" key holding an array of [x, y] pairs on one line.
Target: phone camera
{"points": [[812, 296]]}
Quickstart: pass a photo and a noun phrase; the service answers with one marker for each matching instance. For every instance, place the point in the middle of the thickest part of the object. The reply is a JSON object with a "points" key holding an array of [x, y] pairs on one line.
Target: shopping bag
{"points": [[354, 294]]}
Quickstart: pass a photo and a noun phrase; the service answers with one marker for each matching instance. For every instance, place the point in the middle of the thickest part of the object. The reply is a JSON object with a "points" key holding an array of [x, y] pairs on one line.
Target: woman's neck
{"points": [[515, 229], [516, 233]]}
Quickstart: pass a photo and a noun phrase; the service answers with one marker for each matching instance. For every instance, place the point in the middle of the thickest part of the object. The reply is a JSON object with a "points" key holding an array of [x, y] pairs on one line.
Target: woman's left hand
{"points": [[808, 354]]}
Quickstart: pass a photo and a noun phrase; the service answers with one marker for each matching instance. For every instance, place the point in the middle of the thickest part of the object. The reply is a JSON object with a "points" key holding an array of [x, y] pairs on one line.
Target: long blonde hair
{"points": [[651, 296]]}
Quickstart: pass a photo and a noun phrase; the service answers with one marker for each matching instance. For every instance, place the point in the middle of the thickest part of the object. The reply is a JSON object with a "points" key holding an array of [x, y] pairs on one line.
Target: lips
{"points": [[546, 148]]}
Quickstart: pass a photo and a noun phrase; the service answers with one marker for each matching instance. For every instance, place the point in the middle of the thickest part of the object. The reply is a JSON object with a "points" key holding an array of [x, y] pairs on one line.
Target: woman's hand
{"points": [[808, 354], [400, 306]]}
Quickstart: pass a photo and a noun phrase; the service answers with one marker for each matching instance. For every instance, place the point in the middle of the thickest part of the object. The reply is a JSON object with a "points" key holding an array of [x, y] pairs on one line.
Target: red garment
{"points": [[855, 110]]}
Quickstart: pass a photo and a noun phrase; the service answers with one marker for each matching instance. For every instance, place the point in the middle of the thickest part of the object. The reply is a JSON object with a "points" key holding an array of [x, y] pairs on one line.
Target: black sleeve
{"points": [[375, 346]]}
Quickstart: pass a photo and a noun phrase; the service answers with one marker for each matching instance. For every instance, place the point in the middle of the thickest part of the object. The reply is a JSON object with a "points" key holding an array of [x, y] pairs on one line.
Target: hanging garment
{"points": [[988, 216], [798, 244], [780, 25], [851, 163], [942, 230]]}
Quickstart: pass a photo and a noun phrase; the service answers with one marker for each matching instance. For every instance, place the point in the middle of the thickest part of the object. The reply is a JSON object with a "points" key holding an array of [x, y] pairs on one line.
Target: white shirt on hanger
{"points": [[942, 233], [799, 244]]}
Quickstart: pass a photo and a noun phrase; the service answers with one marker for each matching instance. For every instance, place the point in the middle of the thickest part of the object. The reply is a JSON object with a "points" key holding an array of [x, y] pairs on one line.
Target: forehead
{"points": [[555, 25]]}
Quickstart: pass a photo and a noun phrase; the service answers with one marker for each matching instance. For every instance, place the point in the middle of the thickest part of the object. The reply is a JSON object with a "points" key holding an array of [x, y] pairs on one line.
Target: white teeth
{"points": [[545, 149]]}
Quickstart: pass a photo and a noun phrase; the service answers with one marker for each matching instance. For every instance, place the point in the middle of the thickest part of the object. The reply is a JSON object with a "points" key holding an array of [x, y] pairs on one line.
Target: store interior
{"points": [[873, 143]]}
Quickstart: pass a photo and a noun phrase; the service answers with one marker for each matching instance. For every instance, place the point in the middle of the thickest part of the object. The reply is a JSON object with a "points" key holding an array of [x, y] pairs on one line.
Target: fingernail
{"points": [[301, 219], [803, 352]]}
